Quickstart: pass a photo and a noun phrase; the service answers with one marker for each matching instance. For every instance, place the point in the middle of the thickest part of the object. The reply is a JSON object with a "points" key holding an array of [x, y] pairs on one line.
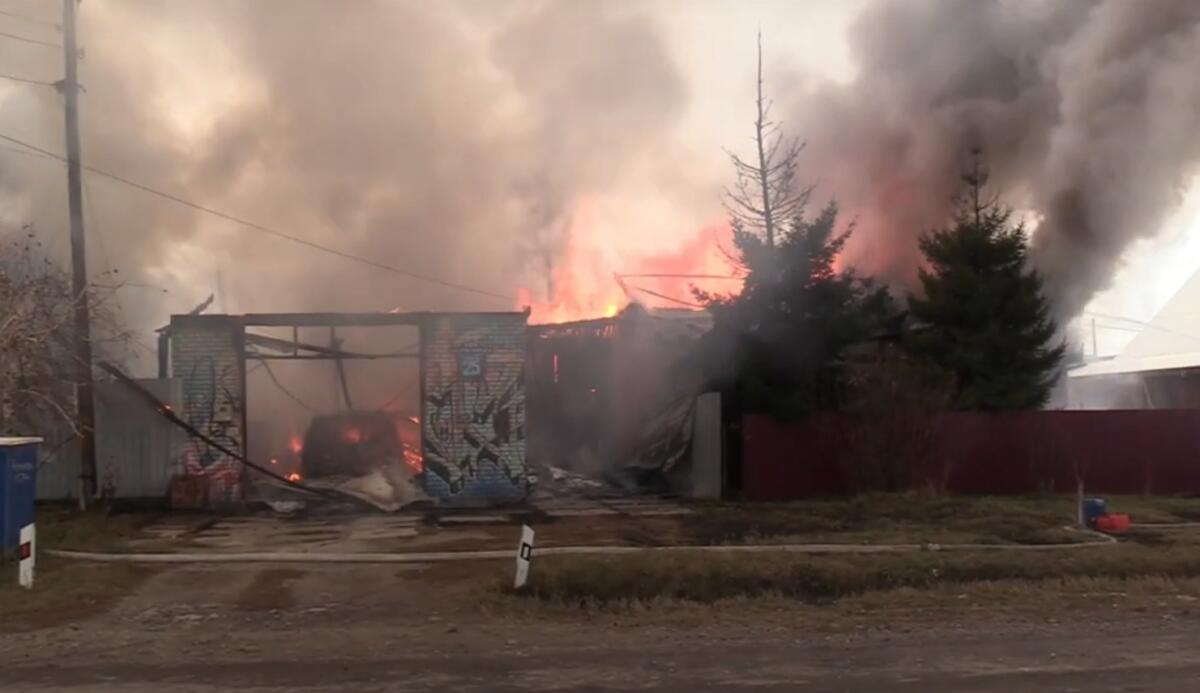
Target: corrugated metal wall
{"points": [[136, 449], [707, 472], [58, 467], [473, 407], [207, 355]]}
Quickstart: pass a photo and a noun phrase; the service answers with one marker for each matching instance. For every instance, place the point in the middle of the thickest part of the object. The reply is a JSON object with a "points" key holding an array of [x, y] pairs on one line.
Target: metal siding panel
{"points": [[473, 408], [707, 471], [58, 469], [136, 448], [207, 356]]}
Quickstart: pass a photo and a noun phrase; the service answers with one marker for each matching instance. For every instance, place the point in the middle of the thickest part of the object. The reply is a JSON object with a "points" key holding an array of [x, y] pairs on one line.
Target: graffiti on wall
{"points": [[474, 415], [211, 405]]}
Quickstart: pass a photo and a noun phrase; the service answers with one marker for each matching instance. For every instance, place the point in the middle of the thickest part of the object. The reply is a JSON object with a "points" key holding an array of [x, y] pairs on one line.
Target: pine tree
{"points": [[777, 346], [982, 314], [779, 343]]}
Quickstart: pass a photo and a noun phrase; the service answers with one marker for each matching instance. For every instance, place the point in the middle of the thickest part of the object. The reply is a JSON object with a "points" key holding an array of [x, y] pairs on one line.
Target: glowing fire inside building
{"points": [[488, 403]]}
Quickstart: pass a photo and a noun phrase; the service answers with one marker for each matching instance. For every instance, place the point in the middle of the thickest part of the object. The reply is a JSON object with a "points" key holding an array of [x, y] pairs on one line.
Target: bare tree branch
{"points": [[38, 369], [764, 199]]}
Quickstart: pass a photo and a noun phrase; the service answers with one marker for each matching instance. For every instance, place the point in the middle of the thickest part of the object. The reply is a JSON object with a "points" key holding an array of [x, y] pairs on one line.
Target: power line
{"points": [[268, 230], [665, 297], [28, 81], [26, 39], [35, 20], [681, 276], [26, 152], [284, 390]]}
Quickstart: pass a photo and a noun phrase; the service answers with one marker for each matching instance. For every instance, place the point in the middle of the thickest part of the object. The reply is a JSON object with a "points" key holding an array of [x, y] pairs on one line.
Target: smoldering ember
{"points": [[546, 344]]}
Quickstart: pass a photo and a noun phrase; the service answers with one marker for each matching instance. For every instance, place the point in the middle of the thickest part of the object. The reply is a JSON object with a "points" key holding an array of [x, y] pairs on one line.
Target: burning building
{"points": [[603, 392], [490, 399], [462, 440]]}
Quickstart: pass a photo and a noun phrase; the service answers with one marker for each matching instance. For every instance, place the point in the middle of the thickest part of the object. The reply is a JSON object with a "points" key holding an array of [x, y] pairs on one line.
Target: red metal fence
{"points": [[1132, 451]]}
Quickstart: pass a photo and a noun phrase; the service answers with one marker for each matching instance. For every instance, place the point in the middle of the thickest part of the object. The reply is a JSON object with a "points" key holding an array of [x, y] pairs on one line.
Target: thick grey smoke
{"points": [[455, 138], [1088, 113], [451, 138]]}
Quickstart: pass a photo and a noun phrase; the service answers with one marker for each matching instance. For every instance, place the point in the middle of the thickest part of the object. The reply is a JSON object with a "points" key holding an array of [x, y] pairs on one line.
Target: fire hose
{"points": [[446, 556]]}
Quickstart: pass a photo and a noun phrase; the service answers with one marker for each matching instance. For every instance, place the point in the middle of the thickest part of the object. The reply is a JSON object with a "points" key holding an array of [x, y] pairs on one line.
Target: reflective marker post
{"points": [[524, 556], [26, 555]]}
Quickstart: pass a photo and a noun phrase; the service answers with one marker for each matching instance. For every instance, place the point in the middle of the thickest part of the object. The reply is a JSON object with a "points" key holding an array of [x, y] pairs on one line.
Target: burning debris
{"points": [[613, 398], [353, 443], [360, 454]]}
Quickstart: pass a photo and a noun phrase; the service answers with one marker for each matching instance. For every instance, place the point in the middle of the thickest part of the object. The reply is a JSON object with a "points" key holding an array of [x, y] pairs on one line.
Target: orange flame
{"points": [[295, 444], [414, 460], [584, 285], [293, 477]]}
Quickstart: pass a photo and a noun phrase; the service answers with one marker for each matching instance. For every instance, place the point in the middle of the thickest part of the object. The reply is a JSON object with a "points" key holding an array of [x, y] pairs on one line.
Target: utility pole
{"points": [[79, 278]]}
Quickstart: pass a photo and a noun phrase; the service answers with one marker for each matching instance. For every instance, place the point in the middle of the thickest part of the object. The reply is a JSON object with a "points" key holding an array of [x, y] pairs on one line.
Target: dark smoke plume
{"points": [[1088, 114], [451, 138], [456, 137]]}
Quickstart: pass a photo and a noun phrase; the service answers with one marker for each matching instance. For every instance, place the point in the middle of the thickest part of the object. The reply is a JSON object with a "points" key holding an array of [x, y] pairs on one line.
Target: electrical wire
{"points": [[395, 398], [665, 297], [35, 20], [682, 276], [284, 390], [26, 39], [26, 152], [268, 230], [26, 80]]}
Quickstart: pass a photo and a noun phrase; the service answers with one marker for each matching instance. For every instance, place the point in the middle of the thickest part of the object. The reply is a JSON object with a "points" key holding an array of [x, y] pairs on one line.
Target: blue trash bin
{"points": [[1092, 509], [18, 472]]}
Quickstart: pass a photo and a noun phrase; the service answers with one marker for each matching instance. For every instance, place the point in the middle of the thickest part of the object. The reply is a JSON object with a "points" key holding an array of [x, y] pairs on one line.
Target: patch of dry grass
{"points": [[706, 578], [919, 518], [64, 591], [61, 527]]}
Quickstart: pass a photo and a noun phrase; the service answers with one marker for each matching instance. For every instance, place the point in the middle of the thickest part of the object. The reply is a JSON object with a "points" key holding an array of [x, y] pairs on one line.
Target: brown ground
{"points": [[408, 628], [452, 627]]}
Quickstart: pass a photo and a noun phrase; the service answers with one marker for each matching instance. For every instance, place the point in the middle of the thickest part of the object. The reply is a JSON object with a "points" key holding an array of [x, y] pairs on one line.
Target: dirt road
{"points": [[371, 628]]}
